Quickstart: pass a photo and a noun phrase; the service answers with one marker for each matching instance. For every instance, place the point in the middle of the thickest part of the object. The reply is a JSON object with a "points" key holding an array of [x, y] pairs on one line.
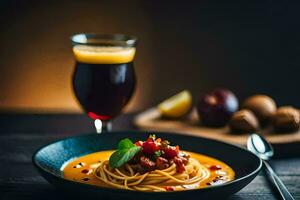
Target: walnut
{"points": [[244, 121], [286, 119], [264, 107]]}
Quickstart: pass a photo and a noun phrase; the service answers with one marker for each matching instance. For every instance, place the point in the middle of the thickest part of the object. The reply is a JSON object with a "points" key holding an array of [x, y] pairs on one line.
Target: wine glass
{"points": [[104, 77]]}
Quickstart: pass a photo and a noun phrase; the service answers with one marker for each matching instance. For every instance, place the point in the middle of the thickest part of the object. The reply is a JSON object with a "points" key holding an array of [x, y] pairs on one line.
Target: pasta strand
{"points": [[157, 180]]}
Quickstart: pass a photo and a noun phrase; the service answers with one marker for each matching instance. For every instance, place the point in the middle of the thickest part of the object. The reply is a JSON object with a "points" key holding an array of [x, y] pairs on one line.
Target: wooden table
{"points": [[22, 135]]}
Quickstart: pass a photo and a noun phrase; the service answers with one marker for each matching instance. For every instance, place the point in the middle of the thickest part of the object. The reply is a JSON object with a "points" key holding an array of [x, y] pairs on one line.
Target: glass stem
{"points": [[102, 126]]}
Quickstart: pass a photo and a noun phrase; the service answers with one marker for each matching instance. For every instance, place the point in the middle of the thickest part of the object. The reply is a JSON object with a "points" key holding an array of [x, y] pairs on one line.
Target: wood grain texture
{"points": [[151, 120], [17, 148]]}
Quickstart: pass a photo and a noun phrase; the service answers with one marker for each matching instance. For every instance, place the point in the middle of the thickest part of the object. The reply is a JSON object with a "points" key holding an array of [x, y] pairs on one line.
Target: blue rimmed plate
{"points": [[49, 160]]}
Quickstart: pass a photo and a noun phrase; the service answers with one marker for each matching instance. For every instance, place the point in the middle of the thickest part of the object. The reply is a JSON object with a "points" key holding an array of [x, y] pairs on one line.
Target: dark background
{"points": [[247, 46]]}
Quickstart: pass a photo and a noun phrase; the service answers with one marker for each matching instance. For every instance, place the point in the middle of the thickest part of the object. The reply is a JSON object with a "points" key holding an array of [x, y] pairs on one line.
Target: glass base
{"points": [[102, 126]]}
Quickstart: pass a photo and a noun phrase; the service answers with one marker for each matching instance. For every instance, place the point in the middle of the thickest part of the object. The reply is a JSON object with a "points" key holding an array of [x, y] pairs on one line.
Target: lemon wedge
{"points": [[177, 105]]}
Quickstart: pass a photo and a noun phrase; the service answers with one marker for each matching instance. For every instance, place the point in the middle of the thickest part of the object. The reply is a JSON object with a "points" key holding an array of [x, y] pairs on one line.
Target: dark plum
{"points": [[216, 107]]}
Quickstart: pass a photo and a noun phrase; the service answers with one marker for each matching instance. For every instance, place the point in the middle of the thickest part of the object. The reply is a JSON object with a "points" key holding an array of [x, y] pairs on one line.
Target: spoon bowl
{"points": [[259, 146]]}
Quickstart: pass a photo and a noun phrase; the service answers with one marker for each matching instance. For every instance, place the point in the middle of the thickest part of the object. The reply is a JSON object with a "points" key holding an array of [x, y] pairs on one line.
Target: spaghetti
{"points": [[157, 180]]}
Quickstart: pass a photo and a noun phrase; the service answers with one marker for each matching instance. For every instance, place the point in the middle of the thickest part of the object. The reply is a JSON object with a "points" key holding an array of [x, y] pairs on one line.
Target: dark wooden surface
{"points": [[22, 135]]}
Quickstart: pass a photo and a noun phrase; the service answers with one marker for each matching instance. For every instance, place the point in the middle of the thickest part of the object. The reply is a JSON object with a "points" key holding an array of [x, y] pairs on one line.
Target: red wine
{"points": [[103, 89]]}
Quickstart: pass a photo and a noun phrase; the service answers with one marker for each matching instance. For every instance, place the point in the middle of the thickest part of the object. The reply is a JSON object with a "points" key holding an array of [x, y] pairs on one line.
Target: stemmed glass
{"points": [[104, 77]]}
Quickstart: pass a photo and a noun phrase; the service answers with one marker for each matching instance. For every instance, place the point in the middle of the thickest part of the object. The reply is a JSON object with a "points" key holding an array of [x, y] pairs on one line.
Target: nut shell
{"points": [[286, 119], [244, 121], [264, 107]]}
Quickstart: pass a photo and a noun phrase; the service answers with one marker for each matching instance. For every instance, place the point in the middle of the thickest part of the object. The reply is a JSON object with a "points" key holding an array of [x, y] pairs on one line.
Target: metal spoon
{"points": [[258, 145]]}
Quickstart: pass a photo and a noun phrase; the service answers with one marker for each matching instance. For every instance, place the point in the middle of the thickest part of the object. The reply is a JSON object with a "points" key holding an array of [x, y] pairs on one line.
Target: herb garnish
{"points": [[157, 153], [152, 136], [125, 152]]}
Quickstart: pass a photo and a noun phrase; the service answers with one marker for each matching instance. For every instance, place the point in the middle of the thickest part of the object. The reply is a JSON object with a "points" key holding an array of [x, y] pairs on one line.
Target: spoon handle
{"points": [[285, 194]]}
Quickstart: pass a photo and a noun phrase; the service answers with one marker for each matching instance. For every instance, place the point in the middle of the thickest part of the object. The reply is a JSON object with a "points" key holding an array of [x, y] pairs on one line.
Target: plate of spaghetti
{"points": [[146, 165]]}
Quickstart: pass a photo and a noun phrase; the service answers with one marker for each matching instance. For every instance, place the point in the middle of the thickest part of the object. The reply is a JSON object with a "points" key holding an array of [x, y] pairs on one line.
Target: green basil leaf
{"points": [[120, 157], [125, 144], [157, 153]]}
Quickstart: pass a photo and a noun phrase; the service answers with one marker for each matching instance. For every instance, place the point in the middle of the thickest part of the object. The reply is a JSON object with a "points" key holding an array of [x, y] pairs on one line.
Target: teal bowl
{"points": [[49, 161]]}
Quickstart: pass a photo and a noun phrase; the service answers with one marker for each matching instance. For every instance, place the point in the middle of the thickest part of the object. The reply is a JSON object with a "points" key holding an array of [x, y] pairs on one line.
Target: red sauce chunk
{"points": [[179, 165], [146, 162], [86, 171], [215, 167], [158, 154], [170, 188], [162, 163], [139, 143], [171, 151], [149, 147]]}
